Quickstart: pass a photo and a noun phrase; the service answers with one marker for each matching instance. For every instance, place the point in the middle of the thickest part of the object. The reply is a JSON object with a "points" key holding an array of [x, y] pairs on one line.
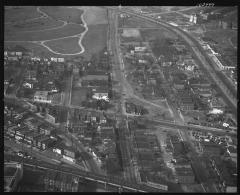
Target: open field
{"points": [[234, 40], [38, 50], [137, 23], [20, 13], [94, 15], [41, 29], [33, 25], [94, 40], [11, 72], [159, 41], [68, 45], [221, 37], [152, 34], [68, 30], [153, 111], [162, 8], [131, 33], [63, 13], [78, 95]]}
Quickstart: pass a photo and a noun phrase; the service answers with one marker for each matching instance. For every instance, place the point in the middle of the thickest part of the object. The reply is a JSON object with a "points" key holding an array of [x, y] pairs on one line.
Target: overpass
{"points": [[110, 181], [228, 91]]}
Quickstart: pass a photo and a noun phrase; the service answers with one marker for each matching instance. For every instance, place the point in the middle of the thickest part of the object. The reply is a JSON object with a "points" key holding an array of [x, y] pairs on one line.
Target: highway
{"points": [[113, 181], [228, 91]]}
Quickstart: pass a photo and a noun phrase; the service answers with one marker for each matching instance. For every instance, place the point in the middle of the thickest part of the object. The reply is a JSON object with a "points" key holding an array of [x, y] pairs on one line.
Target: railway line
{"points": [[105, 180], [228, 91]]}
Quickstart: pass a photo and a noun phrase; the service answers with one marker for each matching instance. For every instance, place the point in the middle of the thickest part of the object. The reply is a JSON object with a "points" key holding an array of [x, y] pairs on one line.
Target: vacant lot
{"points": [[68, 30], [234, 40], [78, 95], [11, 72], [68, 45], [20, 13], [94, 15], [135, 22], [152, 34], [131, 33], [63, 13], [33, 25], [94, 40], [38, 50], [159, 42], [221, 37]]}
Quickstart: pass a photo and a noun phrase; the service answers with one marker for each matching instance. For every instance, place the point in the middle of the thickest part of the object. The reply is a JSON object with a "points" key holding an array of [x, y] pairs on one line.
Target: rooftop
{"points": [[41, 93]]}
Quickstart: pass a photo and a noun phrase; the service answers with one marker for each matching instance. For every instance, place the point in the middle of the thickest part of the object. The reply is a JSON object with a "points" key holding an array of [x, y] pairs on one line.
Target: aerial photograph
{"points": [[120, 99]]}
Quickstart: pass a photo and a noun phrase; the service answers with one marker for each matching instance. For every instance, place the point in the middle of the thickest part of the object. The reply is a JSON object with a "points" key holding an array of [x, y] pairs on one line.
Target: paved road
{"points": [[201, 56], [125, 88]]}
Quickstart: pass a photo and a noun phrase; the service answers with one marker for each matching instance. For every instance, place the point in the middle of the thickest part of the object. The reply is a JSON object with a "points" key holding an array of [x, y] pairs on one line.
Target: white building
{"points": [[100, 94], [140, 49], [42, 96]]}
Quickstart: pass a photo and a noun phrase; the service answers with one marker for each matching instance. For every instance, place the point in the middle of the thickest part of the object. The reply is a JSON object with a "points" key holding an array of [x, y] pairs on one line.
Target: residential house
{"points": [[47, 143], [37, 137], [45, 129], [42, 96], [41, 141], [185, 100], [211, 149], [185, 175], [31, 75]]}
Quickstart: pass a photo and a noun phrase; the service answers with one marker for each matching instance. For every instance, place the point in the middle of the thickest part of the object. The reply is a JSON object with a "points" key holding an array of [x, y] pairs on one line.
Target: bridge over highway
{"points": [[113, 182]]}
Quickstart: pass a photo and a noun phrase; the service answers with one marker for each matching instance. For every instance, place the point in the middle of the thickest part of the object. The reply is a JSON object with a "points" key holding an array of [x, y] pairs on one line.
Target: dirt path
{"points": [[79, 35]]}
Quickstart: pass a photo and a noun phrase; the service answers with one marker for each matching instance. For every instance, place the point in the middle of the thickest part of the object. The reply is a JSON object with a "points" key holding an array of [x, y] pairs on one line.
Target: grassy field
{"points": [[68, 30], [68, 45], [95, 15], [33, 25], [94, 40], [38, 50], [11, 72], [78, 95], [158, 40], [152, 34], [18, 13], [63, 13], [221, 36], [138, 23], [234, 40]]}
